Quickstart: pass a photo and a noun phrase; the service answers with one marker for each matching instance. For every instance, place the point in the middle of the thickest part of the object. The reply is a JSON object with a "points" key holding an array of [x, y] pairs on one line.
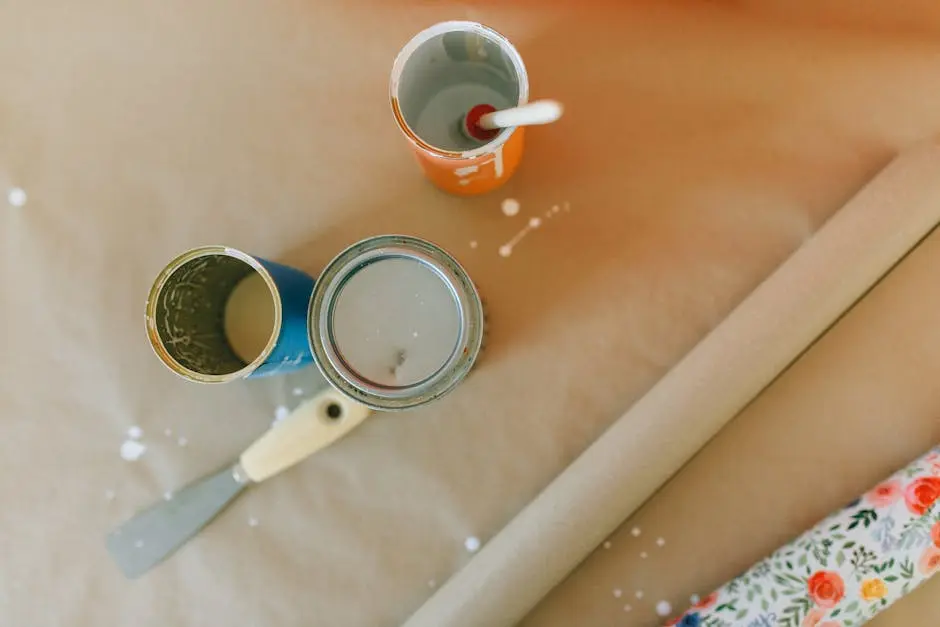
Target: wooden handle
{"points": [[315, 424]]}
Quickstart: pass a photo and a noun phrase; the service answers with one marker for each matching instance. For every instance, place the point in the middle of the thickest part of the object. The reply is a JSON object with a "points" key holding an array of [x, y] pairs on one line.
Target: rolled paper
{"points": [[642, 449], [846, 569]]}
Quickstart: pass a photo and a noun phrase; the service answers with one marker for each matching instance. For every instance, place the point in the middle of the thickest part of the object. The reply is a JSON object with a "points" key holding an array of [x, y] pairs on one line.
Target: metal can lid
{"points": [[395, 322]]}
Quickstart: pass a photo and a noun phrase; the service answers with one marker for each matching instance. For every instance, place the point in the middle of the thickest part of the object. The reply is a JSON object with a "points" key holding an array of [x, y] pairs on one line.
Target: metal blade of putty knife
{"points": [[156, 533]]}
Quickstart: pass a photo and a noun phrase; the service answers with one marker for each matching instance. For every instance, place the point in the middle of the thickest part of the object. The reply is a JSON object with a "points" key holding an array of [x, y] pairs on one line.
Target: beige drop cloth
{"points": [[725, 135]]}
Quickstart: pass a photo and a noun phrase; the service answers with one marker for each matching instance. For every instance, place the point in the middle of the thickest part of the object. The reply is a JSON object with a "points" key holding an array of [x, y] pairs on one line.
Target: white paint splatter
{"points": [[498, 162], [618, 592], [660, 542], [644, 555], [467, 170], [628, 608], [252, 522], [280, 413], [635, 532], [505, 250], [510, 207], [535, 222], [639, 594], [167, 496], [463, 182], [109, 495], [663, 608], [472, 544], [16, 197], [297, 392], [168, 433], [473, 244], [695, 599], [608, 544], [181, 441], [139, 544], [135, 432], [131, 450]]}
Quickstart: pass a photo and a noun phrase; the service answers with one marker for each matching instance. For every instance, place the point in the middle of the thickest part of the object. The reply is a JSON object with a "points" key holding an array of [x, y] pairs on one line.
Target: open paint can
{"points": [[437, 79], [395, 322], [216, 314]]}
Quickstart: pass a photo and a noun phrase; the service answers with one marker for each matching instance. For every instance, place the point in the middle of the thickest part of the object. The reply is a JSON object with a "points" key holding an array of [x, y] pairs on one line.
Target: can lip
{"points": [[439, 29], [319, 322], [153, 334]]}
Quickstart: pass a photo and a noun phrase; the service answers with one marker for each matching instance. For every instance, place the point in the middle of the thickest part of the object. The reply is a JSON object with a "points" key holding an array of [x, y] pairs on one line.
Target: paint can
{"points": [[437, 78], [395, 322], [216, 314]]}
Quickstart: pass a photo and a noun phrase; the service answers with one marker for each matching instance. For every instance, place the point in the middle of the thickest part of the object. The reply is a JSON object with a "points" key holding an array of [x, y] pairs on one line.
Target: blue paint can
{"points": [[216, 314]]}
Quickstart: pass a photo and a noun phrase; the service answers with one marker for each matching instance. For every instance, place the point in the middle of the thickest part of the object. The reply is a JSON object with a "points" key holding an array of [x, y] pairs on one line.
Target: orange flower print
{"points": [[921, 494], [706, 602], [814, 617], [826, 588], [874, 589], [935, 535], [885, 494], [930, 561]]}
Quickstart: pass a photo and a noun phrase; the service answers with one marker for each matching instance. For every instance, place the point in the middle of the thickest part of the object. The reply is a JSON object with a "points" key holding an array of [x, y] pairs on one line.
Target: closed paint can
{"points": [[395, 322], [437, 78], [216, 314]]}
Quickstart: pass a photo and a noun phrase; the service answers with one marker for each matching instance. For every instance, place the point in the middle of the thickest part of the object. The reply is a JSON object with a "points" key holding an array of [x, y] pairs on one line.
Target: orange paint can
{"points": [[437, 78]]}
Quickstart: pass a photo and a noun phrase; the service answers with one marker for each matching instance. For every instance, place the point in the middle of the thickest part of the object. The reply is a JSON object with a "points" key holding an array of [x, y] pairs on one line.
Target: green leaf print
{"points": [[764, 605], [891, 578], [773, 594], [862, 560], [907, 569], [840, 558], [835, 612], [741, 614], [852, 607], [863, 517]]}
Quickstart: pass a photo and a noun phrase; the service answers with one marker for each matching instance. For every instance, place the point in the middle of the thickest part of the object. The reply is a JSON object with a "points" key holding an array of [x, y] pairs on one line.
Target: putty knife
{"points": [[154, 534]]}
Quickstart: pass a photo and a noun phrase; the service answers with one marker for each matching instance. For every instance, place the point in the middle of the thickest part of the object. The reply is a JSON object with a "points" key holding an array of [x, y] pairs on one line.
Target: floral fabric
{"points": [[847, 569]]}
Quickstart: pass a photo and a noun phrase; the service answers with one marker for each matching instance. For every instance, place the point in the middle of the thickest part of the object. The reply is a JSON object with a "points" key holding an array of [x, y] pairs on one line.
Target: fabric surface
{"points": [[724, 136]]}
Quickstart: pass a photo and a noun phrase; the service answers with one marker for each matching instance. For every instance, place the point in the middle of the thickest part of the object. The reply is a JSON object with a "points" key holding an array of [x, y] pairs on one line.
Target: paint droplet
{"points": [[510, 207], [463, 182], [660, 542], [618, 592], [139, 544], [109, 495], [639, 594], [432, 584], [168, 496], [182, 441], [297, 392], [505, 250], [644, 555], [16, 197], [472, 544], [607, 544], [663, 608], [280, 413], [695, 599], [635, 532], [556, 209], [535, 222], [135, 432], [131, 450], [168, 432], [473, 244], [628, 608], [252, 522]]}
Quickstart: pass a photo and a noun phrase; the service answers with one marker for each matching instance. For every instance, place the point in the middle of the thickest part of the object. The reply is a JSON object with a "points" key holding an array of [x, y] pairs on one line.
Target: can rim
{"points": [[433, 31], [153, 334], [350, 261]]}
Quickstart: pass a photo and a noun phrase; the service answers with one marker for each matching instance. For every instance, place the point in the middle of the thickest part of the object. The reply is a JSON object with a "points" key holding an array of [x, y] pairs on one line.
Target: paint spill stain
{"points": [[663, 608], [510, 207], [131, 450], [472, 544], [16, 197]]}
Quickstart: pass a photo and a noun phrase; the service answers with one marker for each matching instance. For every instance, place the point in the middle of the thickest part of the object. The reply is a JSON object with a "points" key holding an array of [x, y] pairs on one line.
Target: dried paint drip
{"points": [[510, 207], [16, 197], [535, 222], [663, 608], [131, 450]]}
